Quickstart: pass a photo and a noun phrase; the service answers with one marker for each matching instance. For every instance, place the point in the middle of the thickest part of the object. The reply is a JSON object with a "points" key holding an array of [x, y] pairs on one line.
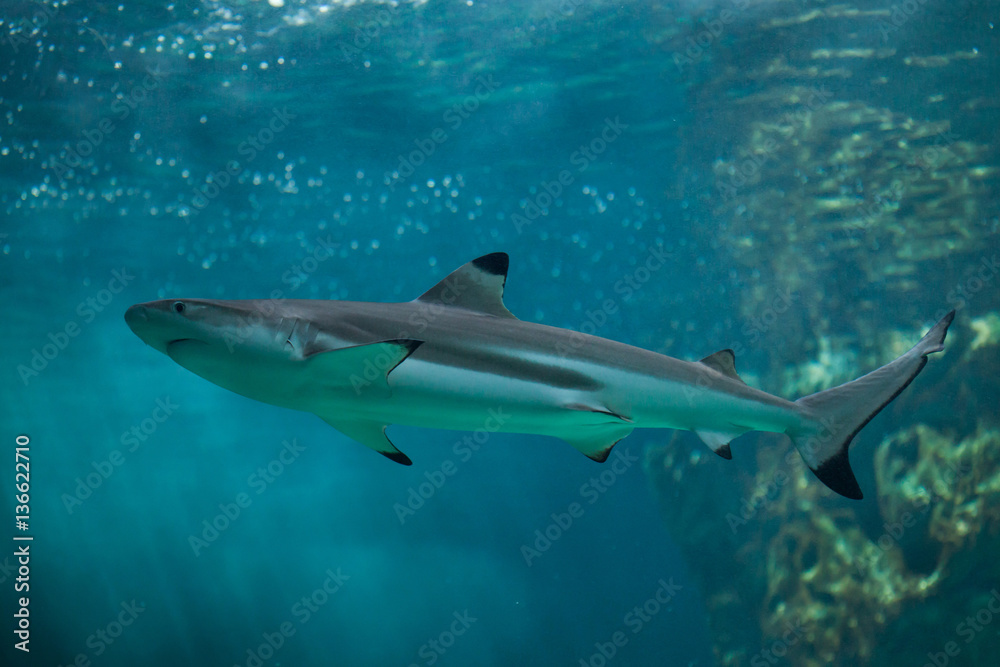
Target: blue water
{"points": [[209, 149]]}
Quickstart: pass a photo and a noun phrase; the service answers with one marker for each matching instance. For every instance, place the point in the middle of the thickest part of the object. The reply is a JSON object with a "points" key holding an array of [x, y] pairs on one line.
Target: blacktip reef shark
{"points": [[456, 356]]}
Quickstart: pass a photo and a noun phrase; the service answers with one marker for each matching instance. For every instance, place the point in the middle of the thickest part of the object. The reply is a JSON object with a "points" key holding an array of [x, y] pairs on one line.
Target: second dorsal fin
{"points": [[476, 286], [723, 361]]}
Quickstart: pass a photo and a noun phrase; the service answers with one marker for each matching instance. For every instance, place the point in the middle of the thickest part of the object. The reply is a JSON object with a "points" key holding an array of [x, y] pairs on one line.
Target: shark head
{"points": [[286, 353], [217, 339], [175, 327]]}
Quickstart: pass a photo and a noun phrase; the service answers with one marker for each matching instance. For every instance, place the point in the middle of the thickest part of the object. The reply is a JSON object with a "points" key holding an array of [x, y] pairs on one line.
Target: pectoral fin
{"points": [[596, 441], [363, 368], [372, 435]]}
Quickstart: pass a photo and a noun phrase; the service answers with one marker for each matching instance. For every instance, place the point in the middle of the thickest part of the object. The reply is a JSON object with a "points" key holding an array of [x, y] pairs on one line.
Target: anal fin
{"points": [[372, 435]]}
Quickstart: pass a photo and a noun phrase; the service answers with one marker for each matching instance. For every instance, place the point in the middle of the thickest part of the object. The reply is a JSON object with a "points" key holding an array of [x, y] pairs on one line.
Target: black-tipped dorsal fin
{"points": [[476, 286], [723, 361]]}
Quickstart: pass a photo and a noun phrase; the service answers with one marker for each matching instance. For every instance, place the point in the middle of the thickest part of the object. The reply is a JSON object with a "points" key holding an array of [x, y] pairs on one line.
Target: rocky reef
{"points": [[848, 157], [790, 570]]}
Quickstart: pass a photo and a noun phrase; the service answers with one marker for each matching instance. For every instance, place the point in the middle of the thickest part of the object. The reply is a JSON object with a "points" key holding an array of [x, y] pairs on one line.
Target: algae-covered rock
{"points": [[792, 571]]}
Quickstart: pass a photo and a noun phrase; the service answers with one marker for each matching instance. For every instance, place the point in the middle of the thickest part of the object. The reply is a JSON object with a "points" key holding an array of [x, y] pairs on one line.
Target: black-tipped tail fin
{"points": [[833, 417]]}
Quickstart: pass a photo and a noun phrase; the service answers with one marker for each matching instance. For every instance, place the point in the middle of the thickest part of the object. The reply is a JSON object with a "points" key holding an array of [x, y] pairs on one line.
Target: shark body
{"points": [[456, 358]]}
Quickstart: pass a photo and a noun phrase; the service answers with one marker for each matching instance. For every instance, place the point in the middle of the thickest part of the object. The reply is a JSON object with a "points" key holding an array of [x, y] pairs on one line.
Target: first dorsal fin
{"points": [[723, 361], [476, 286]]}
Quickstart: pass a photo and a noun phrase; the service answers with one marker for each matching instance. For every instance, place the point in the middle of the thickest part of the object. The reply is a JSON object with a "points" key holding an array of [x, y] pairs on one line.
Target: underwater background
{"points": [[811, 184]]}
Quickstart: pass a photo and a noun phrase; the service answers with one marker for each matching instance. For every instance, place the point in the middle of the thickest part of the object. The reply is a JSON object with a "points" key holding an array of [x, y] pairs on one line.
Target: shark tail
{"points": [[833, 417]]}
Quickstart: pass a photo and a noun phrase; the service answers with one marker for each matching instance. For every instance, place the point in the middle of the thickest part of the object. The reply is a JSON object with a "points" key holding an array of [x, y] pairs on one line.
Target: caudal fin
{"points": [[833, 417]]}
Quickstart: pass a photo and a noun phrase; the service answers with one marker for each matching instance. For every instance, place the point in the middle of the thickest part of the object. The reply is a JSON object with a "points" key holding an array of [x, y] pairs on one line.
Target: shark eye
{"points": [[179, 306]]}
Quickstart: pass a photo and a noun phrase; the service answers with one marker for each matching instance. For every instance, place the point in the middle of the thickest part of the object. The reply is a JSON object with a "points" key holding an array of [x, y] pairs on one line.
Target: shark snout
{"points": [[135, 315], [137, 319], [160, 324], [153, 325]]}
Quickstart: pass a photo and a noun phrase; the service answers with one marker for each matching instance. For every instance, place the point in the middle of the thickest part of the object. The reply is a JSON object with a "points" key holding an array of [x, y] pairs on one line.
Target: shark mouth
{"points": [[183, 348], [179, 341]]}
